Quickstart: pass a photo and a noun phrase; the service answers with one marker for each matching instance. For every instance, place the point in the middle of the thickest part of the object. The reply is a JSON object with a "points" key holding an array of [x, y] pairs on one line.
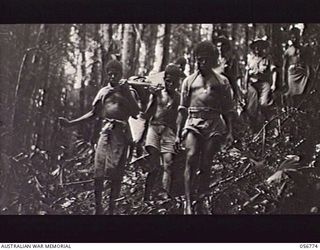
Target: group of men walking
{"points": [[198, 113]]}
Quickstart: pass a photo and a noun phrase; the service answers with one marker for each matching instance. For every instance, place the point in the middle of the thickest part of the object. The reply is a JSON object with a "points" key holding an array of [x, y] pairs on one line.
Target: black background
{"points": [[282, 228], [81, 229], [158, 11]]}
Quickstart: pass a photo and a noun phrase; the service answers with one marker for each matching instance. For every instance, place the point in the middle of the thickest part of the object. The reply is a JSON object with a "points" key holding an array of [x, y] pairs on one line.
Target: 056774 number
{"points": [[309, 245]]}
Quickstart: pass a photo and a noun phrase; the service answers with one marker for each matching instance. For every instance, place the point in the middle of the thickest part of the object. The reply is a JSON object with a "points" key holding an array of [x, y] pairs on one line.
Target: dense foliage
{"points": [[55, 70]]}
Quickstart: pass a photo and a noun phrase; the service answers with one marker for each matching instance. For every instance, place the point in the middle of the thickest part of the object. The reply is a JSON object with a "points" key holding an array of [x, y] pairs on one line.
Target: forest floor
{"points": [[273, 172]]}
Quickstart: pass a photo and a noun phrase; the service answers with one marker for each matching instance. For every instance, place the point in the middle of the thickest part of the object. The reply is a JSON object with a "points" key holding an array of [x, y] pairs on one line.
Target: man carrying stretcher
{"points": [[114, 104]]}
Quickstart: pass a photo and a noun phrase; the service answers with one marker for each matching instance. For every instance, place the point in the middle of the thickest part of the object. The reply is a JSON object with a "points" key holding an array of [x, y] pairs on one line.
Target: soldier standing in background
{"points": [[296, 68], [228, 64], [260, 80]]}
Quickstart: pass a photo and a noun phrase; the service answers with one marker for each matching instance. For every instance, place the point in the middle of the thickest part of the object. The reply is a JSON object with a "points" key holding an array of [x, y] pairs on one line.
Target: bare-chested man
{"points": [[114, 104], [205, 112], [160, 138]]}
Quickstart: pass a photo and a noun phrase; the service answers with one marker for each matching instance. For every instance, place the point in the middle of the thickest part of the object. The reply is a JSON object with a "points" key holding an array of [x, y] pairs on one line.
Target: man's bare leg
{"points": [[154, 159], [210, 148], [98, 187], [114, 194], [167, 171], [193, 152], [116, 179], [150, 181]]}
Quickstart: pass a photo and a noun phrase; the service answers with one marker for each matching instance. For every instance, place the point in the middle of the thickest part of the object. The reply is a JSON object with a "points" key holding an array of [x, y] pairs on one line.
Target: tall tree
{"points": [[159, 49], [83, 48], [106, 32], [166, 46], [195, 38], [151, 34], [128, 50], [33, 73], [206, 31], [141, 49]]}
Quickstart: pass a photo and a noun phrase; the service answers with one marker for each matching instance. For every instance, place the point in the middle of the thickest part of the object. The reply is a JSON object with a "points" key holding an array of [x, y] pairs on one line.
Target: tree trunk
{"points": [[151, 33], [43, 126], [142, 50], [82, 33], [159, 49], [96, 74], [206, 31], [25, 93], [247, 39], [195, 30], [106, 37], [83, 46], [276, 44], [166, 46], [128, 50], [95, 77]]}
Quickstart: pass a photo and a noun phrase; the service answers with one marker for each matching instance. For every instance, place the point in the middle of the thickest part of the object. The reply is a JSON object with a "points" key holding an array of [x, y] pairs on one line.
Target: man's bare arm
{"points": [[228, 117], [274, 75], [147, 115], [182, 110], [274, 80], [181, 119], [150, 110], [134, 106], [229, 113], [82, 119]]}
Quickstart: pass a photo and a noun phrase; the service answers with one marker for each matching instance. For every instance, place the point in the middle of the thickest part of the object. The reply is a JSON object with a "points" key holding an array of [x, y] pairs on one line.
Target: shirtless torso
{"points": [[208, 100], [206, 92], [116, 103], [166, 108], [162, 113]]}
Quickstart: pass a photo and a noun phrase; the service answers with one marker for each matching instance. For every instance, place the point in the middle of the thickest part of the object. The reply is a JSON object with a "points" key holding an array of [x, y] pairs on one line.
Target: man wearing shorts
{"points": [[204, 119], [160, 138]]}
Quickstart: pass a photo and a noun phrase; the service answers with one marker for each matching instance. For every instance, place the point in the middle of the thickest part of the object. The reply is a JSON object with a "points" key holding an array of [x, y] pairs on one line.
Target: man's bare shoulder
{"points": [[222, 79], [191, 77], [104, 90], [101, 95], [290, 51]]}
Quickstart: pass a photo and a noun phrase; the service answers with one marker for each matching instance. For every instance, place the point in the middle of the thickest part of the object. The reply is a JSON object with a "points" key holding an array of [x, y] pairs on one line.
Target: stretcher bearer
{"points": [[204, 118], [114, 104], [161, 113]]}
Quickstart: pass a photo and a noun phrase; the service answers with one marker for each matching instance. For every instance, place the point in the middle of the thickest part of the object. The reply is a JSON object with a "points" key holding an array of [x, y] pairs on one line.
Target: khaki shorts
{"points": [[161, 137]]}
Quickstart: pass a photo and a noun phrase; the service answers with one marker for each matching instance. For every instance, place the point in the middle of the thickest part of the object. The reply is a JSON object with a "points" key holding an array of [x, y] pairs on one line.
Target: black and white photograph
{"points": [[160, 119]]}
